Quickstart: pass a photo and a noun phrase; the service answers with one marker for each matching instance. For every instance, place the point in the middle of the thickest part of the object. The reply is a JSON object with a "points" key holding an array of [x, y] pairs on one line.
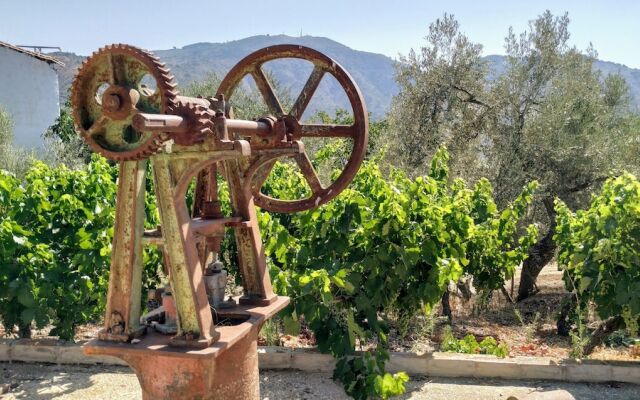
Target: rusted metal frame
{"points": [[307, 92], [86, 111], [265, 88], [122, 317], [226, 370], [178, 124], [328, 131], [251, 257], [310, 174], [201, 194], [358, 132], [195, 323]]}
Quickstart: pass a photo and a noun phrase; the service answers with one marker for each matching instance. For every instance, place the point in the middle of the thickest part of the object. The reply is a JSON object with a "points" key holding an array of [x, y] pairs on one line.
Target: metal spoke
{"points": [[307, 92], [322, 130], [261, 175], [118, 71], [309, 173], [98, 125], [112, 73], [267, 91]]}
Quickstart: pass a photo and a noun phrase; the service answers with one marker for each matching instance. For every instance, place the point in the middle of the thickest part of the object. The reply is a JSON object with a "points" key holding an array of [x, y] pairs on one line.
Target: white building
{"points": [[28, 92]]}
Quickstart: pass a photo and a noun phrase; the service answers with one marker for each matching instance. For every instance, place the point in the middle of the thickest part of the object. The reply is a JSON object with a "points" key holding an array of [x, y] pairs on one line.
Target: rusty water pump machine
{"points": [[127, 108]]}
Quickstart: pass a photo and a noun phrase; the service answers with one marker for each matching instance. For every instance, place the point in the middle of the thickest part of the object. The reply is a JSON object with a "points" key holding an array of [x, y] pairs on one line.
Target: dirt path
{"points": [[43, 382]]}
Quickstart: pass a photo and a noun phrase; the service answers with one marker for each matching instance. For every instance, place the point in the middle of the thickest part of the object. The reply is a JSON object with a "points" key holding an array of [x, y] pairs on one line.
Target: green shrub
{"points": [[469, 345], [599, 250], [385, 244], [64, 221]]}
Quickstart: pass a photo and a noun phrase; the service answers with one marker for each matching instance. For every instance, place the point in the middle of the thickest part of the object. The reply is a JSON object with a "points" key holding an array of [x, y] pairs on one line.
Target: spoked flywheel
{"points": [[356, 132]]}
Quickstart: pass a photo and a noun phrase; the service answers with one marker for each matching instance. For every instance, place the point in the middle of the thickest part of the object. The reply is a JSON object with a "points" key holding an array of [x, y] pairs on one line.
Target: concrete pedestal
{"points": [[228, 369]]}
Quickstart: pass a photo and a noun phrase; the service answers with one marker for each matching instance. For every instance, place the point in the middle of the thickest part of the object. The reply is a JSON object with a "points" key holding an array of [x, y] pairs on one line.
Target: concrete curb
{"points": [[430, 364]]}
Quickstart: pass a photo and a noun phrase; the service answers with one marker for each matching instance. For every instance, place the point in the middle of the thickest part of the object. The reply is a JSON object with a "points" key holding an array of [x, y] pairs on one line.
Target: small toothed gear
{"points": [[110, 87], [200, 120]]}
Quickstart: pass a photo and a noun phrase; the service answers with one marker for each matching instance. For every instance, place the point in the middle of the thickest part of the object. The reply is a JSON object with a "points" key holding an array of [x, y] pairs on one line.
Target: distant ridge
{"points": [[374, 73]]}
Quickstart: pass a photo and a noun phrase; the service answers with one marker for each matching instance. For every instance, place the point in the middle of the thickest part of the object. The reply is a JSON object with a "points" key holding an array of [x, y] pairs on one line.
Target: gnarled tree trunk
{"points": [[446, 306], [564, 323], [539, 255], [604, 329]]}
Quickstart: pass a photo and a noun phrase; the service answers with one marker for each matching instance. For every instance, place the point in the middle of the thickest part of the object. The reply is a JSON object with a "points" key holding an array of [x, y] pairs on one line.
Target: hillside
{"points": [[374, 73]]}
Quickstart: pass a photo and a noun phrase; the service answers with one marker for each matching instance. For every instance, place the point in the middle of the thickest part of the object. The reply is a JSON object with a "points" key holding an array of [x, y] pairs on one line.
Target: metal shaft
{"points": [[175, 124]]}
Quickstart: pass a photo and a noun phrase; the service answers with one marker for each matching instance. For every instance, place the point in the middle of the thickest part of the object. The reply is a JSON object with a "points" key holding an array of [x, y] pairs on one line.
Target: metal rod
{"points": [[248, 128], [176, 124]]}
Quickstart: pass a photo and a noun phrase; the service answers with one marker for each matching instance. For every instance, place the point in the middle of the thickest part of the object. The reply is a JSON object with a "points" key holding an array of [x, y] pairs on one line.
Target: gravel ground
{"points": [[41, 382]]}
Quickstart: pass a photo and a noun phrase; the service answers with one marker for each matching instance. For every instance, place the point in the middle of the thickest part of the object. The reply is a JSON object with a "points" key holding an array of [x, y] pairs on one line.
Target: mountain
{"points": [[374, 73]]}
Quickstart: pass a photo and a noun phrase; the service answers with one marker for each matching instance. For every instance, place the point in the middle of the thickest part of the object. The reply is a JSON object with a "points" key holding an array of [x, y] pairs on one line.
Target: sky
{"points": [[387, 27]]}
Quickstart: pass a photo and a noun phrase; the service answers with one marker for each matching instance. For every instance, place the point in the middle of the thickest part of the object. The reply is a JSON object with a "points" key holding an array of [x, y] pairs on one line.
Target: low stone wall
{"points": [[430, 364]]}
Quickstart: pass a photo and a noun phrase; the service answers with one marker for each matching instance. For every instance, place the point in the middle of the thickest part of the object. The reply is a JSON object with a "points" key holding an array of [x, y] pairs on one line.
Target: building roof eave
{"points": [[42, 57]]}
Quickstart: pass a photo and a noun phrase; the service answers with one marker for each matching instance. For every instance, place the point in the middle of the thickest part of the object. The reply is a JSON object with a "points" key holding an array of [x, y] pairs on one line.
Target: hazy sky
{"points": [[388, 27]]}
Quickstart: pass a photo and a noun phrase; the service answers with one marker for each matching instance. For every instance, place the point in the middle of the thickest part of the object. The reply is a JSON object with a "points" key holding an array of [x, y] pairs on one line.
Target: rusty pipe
{"points": [[143, 122], [248, 128]]}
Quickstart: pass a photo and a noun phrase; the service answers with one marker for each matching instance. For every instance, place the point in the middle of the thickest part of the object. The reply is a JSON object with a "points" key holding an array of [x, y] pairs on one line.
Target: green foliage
{"points": [[364, 377], [599, 250], [542, 113], [63, 145], [269, 332], [21, 260], [13, 159], [61, 221], [496, 250], [6, 128], [528, 328], [63, 127], [384, 244], [469, 345], [62, 224]]}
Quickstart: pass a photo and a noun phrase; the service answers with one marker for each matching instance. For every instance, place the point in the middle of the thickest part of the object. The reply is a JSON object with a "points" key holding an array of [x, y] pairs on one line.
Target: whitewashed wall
{"points": [[29, 93]]}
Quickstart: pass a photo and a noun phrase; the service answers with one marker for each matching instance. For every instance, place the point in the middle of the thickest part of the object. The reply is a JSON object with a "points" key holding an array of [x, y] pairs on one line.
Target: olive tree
{"points": [[544, 114]]}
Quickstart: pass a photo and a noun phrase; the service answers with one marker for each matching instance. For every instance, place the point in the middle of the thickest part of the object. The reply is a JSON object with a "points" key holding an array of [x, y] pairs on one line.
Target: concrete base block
{"points": [[274, 358], [311, 361], [34, 351], [5, 350]]}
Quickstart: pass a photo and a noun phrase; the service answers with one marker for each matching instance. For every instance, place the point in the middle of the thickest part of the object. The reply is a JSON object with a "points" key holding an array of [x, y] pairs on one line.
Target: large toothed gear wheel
{"points": [[112, 85], [200, 120]]}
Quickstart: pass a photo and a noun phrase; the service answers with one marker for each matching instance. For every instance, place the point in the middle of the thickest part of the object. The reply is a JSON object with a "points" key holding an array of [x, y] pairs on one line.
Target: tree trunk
{"points": [[598, 336], [24, 331], [564, 323], [446, 306], [539, 255]]}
